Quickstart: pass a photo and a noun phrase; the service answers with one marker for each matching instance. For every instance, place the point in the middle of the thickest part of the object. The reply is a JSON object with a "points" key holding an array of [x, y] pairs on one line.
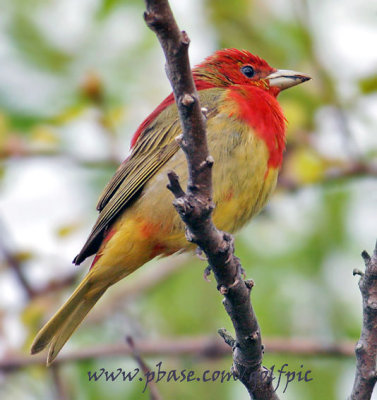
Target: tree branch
{"points": [[366, 348], [61, 390], [350, 170], [13, 262], [195, 206], [201, 347], [154, 394]]}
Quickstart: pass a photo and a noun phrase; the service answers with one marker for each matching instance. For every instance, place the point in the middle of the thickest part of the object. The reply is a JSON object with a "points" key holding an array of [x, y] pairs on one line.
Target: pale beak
{"points": [[284, 79]]}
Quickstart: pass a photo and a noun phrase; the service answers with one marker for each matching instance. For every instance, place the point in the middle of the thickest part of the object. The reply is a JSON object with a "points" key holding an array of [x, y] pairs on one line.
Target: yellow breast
{"points": [[242, 184]]}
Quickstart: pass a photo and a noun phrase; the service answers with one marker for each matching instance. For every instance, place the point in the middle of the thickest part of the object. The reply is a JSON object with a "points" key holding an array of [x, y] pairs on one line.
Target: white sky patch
{"points": [[27, 89], [362, 215], [341, 265], [66, 23], [202, 38], [39, 197], [346, 32], [329, 138], [85, 137]]}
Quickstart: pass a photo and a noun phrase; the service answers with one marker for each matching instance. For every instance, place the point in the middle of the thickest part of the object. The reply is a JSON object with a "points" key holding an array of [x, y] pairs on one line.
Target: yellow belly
{"points": [[241, 180], [151, 226]]}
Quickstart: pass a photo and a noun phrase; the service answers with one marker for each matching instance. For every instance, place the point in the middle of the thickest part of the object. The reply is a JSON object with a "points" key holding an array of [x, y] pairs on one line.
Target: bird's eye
{"points": [[248, 71]]}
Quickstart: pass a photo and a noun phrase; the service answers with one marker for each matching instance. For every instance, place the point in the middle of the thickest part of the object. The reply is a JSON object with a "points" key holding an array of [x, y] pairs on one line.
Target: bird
{"points": [[137, 221]]}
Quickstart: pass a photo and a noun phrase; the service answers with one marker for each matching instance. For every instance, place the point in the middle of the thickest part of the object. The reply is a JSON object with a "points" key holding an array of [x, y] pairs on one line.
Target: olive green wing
{"points": [[154, 147], [129, 179], [143, 159]]}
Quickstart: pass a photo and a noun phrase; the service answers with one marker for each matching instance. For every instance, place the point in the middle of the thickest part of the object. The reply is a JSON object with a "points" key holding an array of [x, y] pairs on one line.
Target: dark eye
{"points": [[248, 71]]}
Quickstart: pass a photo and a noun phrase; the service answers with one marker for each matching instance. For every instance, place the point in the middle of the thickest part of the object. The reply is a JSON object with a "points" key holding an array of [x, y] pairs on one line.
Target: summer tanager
{"points": [[137, 222]]}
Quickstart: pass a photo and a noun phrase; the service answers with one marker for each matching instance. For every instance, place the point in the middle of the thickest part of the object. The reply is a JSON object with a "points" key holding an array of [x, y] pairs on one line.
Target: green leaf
{"points": [[368, 85]]}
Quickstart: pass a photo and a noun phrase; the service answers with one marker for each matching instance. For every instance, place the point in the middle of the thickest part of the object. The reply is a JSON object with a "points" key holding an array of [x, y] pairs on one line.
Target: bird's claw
{"points": [[199, 253], [207, 273], [242, 271]]}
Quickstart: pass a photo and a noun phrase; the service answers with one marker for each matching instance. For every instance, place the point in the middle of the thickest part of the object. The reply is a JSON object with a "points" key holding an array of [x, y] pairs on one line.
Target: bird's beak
{"points": [[284, 79]]}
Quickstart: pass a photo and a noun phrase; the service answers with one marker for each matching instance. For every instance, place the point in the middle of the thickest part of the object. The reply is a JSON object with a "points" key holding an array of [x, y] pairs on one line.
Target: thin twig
{"points": [[350, 170], [366, 348], [155, 395], [13, 262], [60, 386], [195, 206], [198, 347]]}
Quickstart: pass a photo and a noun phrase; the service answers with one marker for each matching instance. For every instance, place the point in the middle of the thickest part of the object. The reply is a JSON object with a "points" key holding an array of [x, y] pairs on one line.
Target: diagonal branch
{"points": [[154, 394], [13, 262], [366, 348], [195, 206]]}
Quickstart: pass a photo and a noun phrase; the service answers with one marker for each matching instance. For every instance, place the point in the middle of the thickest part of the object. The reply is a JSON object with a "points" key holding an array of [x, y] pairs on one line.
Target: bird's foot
{"points": [[207, 273], [199, 253], [242, 271]]}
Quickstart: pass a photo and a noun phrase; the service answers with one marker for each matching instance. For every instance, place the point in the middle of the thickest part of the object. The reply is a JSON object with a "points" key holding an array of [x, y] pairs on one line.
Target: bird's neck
{"points": [[262, 112]]}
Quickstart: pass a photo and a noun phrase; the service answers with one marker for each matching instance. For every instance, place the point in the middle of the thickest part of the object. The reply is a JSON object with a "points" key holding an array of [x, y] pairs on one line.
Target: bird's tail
{"points": [[61, 326]]}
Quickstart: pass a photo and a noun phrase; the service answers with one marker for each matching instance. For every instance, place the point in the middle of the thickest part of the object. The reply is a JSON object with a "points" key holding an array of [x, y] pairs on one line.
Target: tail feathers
{"points": [[70, 325], [61, 326]]}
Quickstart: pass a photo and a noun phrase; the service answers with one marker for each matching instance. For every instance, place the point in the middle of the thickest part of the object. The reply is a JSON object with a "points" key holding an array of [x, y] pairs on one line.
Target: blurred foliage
{"points": [[25, 35], [368, 84], [61, 95]]}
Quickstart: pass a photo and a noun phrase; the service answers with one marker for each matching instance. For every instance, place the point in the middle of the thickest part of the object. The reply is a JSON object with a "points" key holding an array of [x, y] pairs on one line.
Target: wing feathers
{"points": [[127, 182], [154, 147]]}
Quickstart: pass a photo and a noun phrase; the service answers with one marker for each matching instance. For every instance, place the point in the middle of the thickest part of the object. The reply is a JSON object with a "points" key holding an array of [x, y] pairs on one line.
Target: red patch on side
{"points": [[229, 196], [261, 111], [108, 235], [200, 85], [96, 258], [157, 249], [148, 230]]}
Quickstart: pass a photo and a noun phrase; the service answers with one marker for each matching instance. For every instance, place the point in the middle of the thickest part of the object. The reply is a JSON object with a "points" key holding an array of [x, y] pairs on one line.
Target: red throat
{"points": [[262, 112]]}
